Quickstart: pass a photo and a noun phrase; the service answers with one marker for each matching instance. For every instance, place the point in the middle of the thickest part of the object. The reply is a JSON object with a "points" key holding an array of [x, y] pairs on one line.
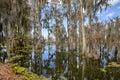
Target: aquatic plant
{"points": [[113, 64]]}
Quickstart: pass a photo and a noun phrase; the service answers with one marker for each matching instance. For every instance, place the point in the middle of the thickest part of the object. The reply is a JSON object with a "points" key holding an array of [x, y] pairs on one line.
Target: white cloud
{"points": [[110, 14], [49, 1], [119, 7], [114, 2]]}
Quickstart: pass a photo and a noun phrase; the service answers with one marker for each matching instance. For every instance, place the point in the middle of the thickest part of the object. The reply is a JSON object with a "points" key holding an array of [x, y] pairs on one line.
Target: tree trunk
{"points": [[8, 40], [83, 29], [89, 34], [71, 33], [68, 33], [38, 45]]}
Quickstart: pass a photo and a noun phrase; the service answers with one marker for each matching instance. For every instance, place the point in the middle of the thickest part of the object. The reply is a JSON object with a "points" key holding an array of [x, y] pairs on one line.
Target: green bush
{"points": [[17, 69], [24, 74], [15, 59], [32, 76], [113, 64]]}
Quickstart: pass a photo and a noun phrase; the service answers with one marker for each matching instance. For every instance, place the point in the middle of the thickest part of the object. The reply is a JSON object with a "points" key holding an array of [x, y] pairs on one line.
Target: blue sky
{"points": [[111, 12]]}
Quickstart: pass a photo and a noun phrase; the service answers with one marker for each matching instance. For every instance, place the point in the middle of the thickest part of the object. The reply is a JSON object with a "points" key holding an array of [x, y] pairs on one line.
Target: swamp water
{"points": [[69, 66]]}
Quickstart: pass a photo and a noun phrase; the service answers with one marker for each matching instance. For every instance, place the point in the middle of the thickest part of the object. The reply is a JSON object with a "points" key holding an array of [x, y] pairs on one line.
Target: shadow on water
{"points": [[70, 66]]}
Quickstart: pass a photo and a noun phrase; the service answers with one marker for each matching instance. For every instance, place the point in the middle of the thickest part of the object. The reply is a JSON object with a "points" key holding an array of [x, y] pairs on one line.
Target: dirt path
{"points": [[7, 74]]}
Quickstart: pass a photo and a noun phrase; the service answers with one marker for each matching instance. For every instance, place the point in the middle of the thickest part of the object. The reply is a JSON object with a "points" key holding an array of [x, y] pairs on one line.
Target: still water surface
{"points": [[69, 66]]}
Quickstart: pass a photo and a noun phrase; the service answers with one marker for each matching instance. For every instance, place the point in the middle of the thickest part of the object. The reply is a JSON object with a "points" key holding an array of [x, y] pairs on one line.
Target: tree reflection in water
{"points": [[69, 66]]}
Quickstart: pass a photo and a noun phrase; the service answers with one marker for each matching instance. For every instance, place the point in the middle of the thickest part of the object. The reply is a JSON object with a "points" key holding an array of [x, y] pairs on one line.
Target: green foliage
{"points": [[17, 69], [32, 76], [102, 70], [24, 74], [15, 58], [1, 44], [113, 64], [21, 49]]}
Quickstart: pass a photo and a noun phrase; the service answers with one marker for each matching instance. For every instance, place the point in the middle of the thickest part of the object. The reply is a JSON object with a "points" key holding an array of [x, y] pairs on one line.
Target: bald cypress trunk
{"points": [[8, 40], [83, 29]]}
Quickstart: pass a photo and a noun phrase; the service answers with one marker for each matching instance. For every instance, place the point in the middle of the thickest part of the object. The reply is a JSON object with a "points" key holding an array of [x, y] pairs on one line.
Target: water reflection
{"points": [[70, 66]]}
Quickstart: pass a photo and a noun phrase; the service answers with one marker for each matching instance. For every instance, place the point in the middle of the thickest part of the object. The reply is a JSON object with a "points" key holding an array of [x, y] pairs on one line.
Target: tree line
{"points": [[71, 24]]}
